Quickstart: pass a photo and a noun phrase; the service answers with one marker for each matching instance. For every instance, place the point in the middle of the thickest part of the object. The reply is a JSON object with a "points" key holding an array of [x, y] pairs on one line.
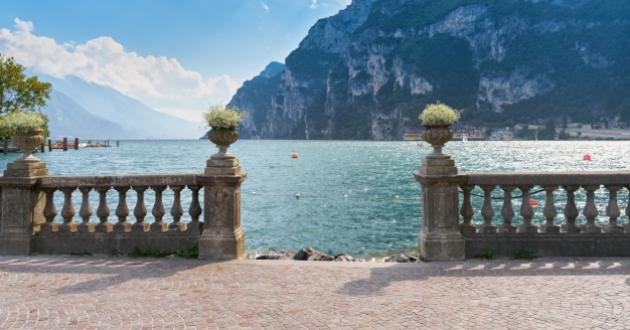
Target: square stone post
{"points": [[21, 205], [222, 237], [440, 237]]}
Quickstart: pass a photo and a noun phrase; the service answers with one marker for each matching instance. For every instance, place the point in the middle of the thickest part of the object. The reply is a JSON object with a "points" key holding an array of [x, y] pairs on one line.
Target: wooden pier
{"points": [[64, 144]]}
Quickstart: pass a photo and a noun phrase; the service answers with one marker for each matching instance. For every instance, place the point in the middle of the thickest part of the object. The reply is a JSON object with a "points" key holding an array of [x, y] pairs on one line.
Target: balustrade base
{"points": [[26, 169], [15, 244], [112, 243], [222, 245], [549, 245], [441, 246], [228, 166]]}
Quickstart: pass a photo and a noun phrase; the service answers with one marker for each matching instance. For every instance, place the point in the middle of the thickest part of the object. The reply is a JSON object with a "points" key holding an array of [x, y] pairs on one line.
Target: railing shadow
{"points": [[382, 277], [114, 270]]}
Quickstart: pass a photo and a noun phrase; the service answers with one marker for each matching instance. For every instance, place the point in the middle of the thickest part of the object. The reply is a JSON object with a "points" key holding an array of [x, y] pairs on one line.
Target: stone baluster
{"points": [[122, 210], [590, 211], [550, 212], [527, 212], [50, 210], [570, 211], [507, 211], [140, 211], [626, 228], [102, 212], [194, 211], [176, 210], [487, 211], [612, 210], [85, 212], [467, 211], [67, 212], [158, 210]]}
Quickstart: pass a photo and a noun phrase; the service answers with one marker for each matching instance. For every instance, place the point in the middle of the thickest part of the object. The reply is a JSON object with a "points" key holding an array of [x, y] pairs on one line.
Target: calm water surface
{"points": [[355, 197]]}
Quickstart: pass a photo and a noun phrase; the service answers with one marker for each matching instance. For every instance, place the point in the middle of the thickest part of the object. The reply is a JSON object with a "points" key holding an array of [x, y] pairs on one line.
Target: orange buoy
{"points": [[586, 157], [294, 155], [533, 202]]}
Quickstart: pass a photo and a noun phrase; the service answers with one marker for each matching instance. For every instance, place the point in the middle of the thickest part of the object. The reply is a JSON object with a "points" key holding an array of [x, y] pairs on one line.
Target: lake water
{"points": [[355, 197]]}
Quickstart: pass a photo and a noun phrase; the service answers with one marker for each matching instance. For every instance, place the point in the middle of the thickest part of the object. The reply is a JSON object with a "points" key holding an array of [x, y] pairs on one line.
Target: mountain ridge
{"points": [[366, 72]]}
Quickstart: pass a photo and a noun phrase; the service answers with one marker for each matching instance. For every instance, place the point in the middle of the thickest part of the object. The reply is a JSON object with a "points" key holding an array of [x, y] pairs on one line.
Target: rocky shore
{"points": [[311, 254]]}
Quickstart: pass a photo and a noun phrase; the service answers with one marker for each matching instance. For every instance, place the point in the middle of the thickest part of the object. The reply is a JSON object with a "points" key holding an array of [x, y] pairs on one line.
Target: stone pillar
{"points": [[222, 237], [440, 237], [21, 205]]}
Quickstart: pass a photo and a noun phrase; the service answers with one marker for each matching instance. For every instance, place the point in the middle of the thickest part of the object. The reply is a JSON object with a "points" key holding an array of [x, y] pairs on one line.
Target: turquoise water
{"points": [[355, 197]]}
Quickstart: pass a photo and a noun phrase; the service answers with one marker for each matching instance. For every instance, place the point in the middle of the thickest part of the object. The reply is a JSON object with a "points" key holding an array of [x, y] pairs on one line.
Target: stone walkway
{"points": [[116, 293]]}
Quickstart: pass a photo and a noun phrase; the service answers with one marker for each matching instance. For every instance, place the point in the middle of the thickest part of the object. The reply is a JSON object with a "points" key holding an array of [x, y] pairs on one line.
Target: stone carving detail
{"points": [[570, 211], [487, 211], [140, 211], [67, 212], [549, 212], [527, 212], [590, 211], [507, 212], [612, 211], [467, 211], [102, 212], [85, 212], [176, 210], [158, 210]]}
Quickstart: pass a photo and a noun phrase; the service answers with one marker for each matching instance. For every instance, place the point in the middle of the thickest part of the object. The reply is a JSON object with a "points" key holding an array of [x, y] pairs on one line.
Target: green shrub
{"points": [[21, 122], [220, 117], [438, 114]]}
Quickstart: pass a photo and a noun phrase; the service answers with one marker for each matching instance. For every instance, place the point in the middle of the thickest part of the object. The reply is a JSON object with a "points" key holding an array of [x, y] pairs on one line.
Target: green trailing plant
{"points": [[439, 114], [523, 254], [22, 122], [191, 252], [487, 253], [153, 253], [220, 117]]}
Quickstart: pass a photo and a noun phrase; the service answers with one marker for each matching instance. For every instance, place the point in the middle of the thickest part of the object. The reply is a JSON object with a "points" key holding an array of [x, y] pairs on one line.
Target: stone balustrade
{"points": [[497, 215], [564, 227], [31, 220]]}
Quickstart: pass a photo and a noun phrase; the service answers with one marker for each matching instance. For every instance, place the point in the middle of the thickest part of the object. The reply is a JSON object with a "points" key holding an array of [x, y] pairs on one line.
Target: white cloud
{"points": [[313, 4], [265, 7], [160, 82]]}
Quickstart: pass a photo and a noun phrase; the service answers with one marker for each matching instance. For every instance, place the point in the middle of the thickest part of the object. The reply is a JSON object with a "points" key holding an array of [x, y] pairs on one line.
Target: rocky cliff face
{"points": [[366, 72]]}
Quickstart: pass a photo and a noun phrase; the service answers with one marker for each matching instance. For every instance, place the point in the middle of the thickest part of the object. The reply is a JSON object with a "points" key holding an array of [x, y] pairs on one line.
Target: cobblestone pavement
{"points": [[95, 292]]}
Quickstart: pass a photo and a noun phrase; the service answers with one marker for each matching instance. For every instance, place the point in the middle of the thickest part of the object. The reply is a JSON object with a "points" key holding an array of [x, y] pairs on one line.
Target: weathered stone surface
{"points": [[54, 292], [344, 257], [402, 257], [274, 255], [310, 254]]}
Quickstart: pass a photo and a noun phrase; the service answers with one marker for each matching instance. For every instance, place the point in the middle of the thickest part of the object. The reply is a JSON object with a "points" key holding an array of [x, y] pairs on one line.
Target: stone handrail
{"points": [[513, 227], [124, 184], [31, 223]]}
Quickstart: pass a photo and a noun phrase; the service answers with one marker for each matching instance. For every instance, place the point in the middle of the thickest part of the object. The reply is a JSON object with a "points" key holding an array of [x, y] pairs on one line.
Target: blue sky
{"points": [[176, 56], [235, 37]]}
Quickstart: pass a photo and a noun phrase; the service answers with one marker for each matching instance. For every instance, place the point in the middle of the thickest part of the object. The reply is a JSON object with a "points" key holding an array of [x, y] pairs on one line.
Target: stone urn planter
{"points": [[28, 141], [437, 136], [223, 138]]}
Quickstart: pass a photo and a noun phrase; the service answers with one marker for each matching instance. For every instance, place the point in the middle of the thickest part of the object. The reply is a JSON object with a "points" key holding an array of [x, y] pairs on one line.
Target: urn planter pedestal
{"points": [[440, 237], [222, 237]]}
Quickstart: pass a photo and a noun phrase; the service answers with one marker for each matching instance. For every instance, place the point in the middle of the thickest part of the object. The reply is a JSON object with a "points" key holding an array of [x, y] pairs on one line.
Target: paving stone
{"points": [[96, 292]]}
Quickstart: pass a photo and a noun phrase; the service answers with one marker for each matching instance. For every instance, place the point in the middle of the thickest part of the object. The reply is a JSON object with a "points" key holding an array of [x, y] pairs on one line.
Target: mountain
{"points": [[69, 119], [366, 72], [109, 113]]}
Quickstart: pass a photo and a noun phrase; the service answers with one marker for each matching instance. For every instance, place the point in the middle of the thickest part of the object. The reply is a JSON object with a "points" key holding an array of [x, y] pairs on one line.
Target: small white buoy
{"points": [[253, 193], [397, 197], [297, 195]]}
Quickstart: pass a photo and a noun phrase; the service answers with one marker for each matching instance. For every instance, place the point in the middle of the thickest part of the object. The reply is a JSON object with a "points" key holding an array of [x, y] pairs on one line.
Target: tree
{"points": [[19, 92]]}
